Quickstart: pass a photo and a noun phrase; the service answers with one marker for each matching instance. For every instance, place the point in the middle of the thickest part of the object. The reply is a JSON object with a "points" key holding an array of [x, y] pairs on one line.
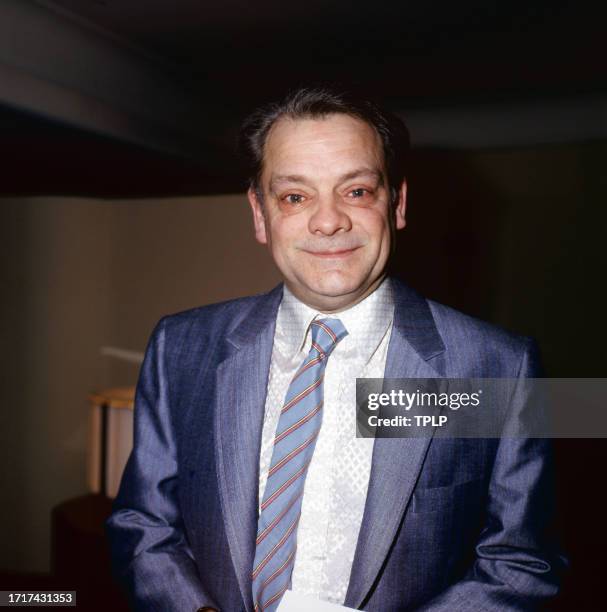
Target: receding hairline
{"points": [[286, 117], [301, 178]]}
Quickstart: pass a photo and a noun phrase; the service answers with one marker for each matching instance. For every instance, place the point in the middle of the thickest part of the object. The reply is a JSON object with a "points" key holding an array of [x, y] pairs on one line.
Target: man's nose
{"points": [[329, 216]]}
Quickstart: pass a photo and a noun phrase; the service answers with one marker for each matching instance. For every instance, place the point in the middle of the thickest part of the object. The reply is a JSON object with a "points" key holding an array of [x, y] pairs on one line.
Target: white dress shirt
{"points": [[338, 476]]}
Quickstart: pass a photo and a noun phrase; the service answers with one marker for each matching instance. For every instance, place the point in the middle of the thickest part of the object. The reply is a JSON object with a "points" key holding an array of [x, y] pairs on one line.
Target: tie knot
{"points": [[326, 333]]}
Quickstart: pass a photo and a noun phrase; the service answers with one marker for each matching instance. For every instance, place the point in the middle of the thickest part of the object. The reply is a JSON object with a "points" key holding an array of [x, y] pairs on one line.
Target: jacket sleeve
{"points": [[150, 553], [517, 565]]}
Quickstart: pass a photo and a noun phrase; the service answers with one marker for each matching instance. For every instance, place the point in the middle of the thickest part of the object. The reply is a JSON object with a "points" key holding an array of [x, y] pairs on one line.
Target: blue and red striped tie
{"points": [[296, 433]]}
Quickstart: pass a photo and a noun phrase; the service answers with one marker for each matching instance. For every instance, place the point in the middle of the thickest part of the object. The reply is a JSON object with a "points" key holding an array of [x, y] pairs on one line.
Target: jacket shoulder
{"points": [[219, 317], [193, 339], [496, 350]]}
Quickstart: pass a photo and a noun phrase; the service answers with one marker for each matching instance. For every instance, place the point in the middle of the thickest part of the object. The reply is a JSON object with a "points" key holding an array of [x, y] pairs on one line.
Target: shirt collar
{"points": [[367, 322]]}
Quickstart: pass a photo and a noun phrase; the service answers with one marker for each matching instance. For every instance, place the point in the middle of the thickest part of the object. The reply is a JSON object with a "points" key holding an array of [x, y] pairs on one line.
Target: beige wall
{"points": [[170, 255], [75, 275], [56, 312]]}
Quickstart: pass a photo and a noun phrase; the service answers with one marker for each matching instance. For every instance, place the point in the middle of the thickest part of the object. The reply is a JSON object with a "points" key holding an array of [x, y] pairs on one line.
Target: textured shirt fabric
{"points": [[338, 476]]}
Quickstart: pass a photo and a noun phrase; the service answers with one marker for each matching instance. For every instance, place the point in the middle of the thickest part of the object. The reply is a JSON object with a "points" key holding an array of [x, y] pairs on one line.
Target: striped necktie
{"points": [[296, 433]]}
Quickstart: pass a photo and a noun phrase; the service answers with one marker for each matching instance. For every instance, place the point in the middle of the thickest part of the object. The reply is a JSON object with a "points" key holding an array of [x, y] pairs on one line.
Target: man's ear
{"points": [[259, 221], [401, 206]]}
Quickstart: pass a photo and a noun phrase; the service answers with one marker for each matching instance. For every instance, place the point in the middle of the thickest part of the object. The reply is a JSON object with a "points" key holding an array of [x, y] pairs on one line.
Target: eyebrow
{"points": [[297, 178]]}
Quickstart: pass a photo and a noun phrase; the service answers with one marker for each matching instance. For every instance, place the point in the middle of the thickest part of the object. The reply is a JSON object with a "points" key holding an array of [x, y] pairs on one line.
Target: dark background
{"points": [[507, 105]]}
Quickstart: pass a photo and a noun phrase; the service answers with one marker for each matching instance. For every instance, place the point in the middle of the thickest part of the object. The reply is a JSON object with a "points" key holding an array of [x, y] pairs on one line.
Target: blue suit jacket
{"points": [[449, 524]]}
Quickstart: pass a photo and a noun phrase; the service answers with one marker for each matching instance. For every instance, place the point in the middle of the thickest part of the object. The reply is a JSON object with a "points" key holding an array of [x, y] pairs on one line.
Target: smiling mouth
{"points": [[337, 254]]}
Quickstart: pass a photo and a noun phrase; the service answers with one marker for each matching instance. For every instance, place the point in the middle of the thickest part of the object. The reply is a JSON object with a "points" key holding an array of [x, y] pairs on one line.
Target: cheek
{"points": [[375, 225], [282, 236]]}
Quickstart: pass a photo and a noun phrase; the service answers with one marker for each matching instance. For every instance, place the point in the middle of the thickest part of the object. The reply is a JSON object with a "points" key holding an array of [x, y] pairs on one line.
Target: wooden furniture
{"points": [[110, 438]]}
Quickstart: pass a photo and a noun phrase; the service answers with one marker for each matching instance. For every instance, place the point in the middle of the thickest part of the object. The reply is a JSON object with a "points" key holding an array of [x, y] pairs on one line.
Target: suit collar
{"points": [[412, 319], [257, 319], [414, 323]]}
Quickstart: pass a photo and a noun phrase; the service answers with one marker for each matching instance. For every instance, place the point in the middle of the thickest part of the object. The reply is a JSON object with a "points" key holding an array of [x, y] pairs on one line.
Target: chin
{"points": [[336, 287]]}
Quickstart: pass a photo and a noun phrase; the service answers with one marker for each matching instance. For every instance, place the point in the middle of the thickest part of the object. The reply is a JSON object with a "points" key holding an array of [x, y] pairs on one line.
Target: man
{"points": [[223, 507]]}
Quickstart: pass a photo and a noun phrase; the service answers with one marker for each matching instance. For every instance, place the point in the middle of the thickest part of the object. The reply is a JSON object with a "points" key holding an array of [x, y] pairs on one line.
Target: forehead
{"points": [[321, 147]]}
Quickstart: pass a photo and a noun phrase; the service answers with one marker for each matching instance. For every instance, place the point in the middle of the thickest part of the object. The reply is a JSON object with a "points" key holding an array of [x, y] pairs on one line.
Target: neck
{"points": [[333, 305]]}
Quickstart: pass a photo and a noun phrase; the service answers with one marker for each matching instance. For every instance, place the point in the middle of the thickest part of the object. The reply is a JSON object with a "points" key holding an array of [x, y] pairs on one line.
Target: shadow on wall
{"points": [[515, 237], [448, 251]]}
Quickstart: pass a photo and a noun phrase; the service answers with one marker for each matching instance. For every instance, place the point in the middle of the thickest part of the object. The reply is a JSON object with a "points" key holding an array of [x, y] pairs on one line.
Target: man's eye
{"points": [[358, 193], [294, 198]]}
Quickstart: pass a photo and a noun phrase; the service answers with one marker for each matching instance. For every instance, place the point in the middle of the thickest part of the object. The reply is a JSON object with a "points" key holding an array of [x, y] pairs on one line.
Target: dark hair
{"points": [[318, 102]]}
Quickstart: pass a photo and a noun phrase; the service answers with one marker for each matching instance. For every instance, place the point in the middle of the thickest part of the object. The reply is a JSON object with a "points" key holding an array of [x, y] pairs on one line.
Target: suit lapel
{"points": [[415, 351], [241, 383]]}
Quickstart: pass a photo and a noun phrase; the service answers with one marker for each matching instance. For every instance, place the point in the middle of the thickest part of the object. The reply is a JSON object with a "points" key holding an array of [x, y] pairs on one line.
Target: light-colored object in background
{"points": [[296, 602], [110, 438], [122, 354]]}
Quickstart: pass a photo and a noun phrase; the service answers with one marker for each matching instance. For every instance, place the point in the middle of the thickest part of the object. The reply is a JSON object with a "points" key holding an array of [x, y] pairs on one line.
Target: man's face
{"points": [[326, 215]]}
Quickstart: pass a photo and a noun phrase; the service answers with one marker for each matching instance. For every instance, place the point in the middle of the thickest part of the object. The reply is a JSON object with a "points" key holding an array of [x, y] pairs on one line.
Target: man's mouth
{"points": [[332, 253]]}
